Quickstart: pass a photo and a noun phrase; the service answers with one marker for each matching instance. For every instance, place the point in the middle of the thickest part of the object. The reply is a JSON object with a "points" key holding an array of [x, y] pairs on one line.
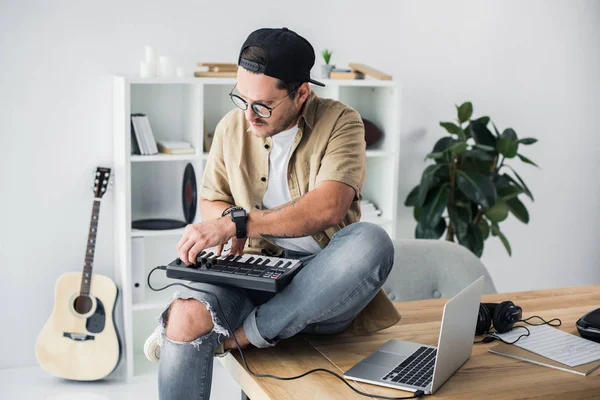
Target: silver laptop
{"points": [[411, 366]]}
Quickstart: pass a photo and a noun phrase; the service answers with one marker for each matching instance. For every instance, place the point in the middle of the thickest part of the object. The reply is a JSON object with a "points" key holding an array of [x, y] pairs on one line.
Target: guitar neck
{"points": [[86, 278]]}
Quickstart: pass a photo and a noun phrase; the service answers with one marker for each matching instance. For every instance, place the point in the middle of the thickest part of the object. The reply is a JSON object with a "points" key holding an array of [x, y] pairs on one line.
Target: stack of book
{"points": [[369, 211], [359, 71], [143, 141], [175, 147], [218, 70], [340, 73]]}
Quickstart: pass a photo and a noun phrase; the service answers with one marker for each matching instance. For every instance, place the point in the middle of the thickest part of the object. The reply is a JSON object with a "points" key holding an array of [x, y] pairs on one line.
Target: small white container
{"points": [[179, 72], [165, 67], [147, 69], [150, 54]]}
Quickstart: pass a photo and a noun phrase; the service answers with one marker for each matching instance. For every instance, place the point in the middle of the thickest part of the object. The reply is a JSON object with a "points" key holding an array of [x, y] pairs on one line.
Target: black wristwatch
{"points": [[239, 216]]}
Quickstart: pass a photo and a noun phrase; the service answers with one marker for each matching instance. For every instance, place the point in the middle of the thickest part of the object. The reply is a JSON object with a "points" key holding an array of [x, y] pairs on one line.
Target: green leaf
{"points": [[526, 160], [482, 135], [473, 240], [465, 111], [411, 199], [452, 128], [518, 209], [483, 120], [417, 211], [458, 148], [477, 187], [423, 232], [520, 183], [507, 143], [510, 134], [441, 146], [432, 211], [459, 219], [496, 129], [508, 192], [495, 229], [484, 228], [527, 141], [478, 154], [427, 182], [496, 232], [497, 213], [506, 147], [435, 156], [484, 147]]}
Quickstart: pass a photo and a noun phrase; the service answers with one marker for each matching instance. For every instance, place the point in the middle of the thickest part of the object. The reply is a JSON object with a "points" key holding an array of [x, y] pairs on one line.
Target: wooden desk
{"points": [[484, 376]]}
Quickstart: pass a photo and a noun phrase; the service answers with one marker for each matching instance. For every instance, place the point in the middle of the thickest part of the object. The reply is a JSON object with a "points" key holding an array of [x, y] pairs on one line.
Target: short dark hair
{"points": [[257, 55]]}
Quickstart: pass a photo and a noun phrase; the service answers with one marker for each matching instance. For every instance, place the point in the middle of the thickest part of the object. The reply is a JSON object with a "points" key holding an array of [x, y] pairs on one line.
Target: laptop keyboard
{"points": [[416, 370]]}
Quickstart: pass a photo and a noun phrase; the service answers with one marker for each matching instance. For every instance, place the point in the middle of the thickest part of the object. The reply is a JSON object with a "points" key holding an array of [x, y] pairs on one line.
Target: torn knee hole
{"points": [[187, 320]]}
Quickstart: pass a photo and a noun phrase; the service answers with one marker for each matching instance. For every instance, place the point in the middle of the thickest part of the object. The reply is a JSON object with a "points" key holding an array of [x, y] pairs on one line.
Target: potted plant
{"points": [[326, 68], [472, 181]]}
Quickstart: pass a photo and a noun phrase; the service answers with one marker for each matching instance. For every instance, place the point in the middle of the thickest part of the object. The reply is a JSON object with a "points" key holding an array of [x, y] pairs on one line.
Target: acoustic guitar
{"points": [[80, 340]]}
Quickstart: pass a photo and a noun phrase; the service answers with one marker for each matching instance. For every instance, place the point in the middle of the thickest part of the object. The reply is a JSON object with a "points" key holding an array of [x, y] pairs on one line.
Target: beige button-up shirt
{"points": [[329, 145]]}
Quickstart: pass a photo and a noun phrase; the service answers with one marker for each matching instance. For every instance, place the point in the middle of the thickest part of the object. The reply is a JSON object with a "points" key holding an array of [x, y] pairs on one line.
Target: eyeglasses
{"points": [[260, 109]]}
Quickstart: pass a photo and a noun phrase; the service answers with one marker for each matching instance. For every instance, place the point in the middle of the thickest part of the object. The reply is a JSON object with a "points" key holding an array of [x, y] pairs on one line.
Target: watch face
{"points": [[237, 213]]}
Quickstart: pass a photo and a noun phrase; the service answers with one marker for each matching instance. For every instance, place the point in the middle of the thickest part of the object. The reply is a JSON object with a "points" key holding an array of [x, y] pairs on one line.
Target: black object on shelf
{"points": [[189, 194], [157, 224]]}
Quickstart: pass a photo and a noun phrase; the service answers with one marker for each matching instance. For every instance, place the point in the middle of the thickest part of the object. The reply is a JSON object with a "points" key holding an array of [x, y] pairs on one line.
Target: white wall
{"points": [[533, 66]]}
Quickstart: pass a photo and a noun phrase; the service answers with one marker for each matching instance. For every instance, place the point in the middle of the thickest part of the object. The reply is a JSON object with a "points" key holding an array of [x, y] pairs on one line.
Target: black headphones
{"points": [[503, 316]]}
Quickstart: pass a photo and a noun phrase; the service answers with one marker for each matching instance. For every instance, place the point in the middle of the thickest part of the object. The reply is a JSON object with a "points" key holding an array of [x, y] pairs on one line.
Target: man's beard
{"points": [[285, 122]]}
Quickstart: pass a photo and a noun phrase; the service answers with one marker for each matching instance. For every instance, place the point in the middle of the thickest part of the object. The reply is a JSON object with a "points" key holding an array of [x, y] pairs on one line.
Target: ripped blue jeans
{"points": [[323, 298]]}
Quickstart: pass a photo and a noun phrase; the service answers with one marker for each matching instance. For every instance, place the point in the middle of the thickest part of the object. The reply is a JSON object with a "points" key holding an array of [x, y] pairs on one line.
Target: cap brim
{"points": [[316, 82]]}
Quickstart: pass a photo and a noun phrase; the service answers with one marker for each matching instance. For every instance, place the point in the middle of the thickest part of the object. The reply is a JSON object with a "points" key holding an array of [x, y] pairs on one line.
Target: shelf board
{"points": [[136, 80], [166, 232], [165, 157]]}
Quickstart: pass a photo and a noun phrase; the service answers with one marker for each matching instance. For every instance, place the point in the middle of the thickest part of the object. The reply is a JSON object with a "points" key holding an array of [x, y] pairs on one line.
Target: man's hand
{"points": [[198, 237], [237, 246]]}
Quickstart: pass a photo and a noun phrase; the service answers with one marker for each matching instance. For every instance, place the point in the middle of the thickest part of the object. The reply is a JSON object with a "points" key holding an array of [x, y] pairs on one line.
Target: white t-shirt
{"points": [[278, 191]]}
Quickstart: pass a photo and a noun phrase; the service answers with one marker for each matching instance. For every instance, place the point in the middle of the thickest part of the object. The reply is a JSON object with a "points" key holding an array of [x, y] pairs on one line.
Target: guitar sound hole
{"points": [[82, 304]]}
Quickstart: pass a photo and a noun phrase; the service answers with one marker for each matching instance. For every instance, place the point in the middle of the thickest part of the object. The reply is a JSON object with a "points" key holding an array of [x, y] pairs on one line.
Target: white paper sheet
{"points": [[555, 344]]}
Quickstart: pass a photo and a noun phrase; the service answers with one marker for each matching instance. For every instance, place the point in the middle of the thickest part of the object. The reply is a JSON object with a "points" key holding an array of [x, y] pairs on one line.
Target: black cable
{"points": [[544, 321], [491, 336], [418, 393]]}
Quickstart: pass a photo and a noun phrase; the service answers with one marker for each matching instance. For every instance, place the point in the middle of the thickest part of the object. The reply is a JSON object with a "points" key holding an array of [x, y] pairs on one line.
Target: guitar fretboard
{"points": [[86, 278]]}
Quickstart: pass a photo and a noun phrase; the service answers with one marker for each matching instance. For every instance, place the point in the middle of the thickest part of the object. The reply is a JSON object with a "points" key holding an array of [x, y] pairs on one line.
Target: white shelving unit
{"points": [[150, 186]]}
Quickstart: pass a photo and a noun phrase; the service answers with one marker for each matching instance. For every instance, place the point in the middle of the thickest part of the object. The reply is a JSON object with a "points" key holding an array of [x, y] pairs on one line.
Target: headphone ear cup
{"points": [[505, 316], [484, 320]]}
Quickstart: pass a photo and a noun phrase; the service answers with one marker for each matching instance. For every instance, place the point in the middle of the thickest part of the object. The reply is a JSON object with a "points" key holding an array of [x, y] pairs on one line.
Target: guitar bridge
{"points": [[78, 336]]}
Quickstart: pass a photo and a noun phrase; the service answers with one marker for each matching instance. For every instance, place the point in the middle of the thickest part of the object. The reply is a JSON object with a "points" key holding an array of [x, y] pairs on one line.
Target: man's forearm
{"points": [[301, 217], [212, 209]]}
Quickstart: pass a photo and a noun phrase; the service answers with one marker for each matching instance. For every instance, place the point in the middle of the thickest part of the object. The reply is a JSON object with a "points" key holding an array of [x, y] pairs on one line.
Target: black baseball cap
{"points": [[289, 56]]}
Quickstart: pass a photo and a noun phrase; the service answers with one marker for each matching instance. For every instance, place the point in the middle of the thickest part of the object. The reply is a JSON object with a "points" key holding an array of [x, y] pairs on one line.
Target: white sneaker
{"points": [[152, 345]]}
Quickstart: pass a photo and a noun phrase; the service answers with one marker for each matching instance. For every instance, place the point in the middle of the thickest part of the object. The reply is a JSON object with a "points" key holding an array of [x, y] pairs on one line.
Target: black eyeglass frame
{"points": [[255, 104]]}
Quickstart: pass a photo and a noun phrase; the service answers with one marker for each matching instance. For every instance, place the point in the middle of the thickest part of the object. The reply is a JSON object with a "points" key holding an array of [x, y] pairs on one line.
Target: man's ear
{"points": [[303, 92]]}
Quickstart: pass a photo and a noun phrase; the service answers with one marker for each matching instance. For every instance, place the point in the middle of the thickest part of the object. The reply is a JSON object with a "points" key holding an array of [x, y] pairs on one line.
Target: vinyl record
{"points": [[189, 194], [372, 133], [157, 224]]}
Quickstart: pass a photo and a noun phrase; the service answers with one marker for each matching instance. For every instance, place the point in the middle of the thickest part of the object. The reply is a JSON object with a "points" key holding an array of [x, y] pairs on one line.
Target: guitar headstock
{"points": [[101, 181]]}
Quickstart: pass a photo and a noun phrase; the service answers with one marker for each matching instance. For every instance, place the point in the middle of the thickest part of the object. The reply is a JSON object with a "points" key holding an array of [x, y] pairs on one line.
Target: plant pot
{"points": [[326, 70]]}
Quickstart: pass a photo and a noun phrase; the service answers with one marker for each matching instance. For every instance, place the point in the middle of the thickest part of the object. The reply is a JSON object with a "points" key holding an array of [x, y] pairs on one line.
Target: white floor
{"points": [[35, 383]]}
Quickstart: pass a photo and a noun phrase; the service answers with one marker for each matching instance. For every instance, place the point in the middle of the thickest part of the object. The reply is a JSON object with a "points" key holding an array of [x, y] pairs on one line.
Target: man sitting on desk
{"points": [[289, 166]]}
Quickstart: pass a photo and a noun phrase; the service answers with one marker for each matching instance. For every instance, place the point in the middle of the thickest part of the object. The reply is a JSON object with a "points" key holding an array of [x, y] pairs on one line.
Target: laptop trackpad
{"points": [[384, 359]]}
